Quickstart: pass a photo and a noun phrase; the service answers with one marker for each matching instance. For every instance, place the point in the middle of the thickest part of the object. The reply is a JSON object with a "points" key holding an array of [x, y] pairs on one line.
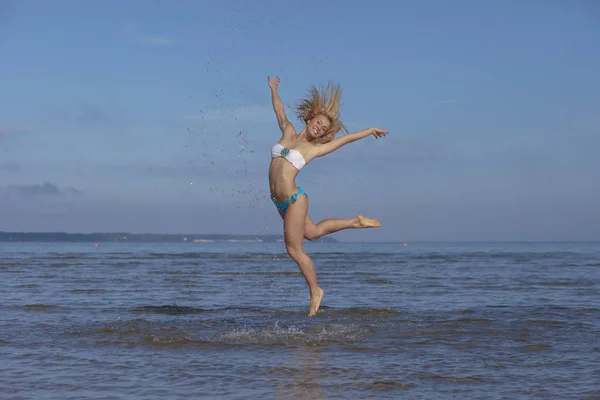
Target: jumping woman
{"points": [[320, 112]]}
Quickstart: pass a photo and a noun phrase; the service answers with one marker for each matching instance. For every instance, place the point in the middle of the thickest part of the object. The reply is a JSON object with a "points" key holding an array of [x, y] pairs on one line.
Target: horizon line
{"points": [[336, 239]]}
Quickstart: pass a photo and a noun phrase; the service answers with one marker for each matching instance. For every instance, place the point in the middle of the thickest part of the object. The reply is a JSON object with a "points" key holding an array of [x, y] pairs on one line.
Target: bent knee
{"points": [[311, 233], [311, 236]]}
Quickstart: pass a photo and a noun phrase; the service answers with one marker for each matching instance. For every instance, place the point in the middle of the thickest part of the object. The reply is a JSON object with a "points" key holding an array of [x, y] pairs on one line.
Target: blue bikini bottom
{"points": [[284, 205]]}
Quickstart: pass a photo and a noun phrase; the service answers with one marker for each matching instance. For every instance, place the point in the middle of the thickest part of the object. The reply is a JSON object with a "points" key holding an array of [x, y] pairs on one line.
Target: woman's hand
{"points": [[378, 132], [273, 83]]}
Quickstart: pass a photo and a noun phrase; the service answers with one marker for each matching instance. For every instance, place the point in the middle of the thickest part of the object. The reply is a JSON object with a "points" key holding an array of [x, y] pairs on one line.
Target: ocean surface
{"points": [[229, 321]]}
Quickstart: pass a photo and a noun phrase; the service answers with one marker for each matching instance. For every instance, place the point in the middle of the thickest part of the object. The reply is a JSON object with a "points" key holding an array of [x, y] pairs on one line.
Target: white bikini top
{"points": [[292, 156]]}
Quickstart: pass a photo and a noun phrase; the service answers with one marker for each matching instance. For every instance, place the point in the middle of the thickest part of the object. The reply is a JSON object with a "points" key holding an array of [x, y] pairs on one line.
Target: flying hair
{"points": [[322, 101]]}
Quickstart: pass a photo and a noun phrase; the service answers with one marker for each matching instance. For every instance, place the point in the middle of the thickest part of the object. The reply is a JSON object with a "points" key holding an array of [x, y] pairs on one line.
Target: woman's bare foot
{"points": [[315, 301], [363, 222]]}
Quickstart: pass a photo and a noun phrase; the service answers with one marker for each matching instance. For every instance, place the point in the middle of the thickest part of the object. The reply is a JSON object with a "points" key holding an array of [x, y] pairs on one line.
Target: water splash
{"points": [[242, 137]]}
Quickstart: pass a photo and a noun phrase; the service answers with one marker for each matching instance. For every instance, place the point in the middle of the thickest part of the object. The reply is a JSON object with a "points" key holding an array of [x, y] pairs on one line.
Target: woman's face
{"points": [[318, 127]]}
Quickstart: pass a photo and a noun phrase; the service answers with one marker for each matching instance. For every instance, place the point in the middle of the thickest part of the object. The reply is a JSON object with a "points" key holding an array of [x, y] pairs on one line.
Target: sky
{"points": [[142, 116]]}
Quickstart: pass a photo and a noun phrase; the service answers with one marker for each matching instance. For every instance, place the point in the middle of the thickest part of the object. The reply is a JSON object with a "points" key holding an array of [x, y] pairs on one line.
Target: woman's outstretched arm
{"points": [[287, 129], [339, 142]]}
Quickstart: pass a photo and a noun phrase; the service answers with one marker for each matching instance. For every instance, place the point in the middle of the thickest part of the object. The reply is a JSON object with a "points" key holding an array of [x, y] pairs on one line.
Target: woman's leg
{"points": [[314, 231], [293, 228]]}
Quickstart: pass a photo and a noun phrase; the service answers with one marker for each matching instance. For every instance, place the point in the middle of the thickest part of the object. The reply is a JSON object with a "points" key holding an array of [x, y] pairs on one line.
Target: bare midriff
{"points": [[282, 178]]}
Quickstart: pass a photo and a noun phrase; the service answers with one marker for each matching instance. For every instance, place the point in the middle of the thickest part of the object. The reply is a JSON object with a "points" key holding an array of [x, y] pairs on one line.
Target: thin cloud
{"points": [[37, 190], [10, 167], [243, 114], [107, 121], [14, 130], [92, 115]]}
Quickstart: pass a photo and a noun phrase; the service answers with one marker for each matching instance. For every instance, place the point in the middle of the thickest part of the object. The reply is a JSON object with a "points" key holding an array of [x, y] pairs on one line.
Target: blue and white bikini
{"points": [[297, 160], [292, 156]]}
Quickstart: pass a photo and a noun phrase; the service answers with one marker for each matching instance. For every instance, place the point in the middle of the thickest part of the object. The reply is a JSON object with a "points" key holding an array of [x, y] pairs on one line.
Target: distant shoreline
{"points": [[124, 237]]}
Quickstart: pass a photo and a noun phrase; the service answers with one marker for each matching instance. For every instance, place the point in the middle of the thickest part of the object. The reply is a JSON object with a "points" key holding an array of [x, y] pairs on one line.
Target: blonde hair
{"points": [[322, 101]]}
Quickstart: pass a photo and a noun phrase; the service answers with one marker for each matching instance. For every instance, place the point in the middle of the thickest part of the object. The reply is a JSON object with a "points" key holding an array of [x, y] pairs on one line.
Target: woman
{"points": [[320, 111]]}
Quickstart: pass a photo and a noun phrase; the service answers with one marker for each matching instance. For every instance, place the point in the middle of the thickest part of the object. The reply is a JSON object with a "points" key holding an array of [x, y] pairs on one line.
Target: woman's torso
{"points": [[282, 172]]}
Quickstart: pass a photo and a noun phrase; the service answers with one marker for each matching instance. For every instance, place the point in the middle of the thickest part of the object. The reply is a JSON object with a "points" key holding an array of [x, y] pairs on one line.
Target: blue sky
{"points": [[155, 116]]}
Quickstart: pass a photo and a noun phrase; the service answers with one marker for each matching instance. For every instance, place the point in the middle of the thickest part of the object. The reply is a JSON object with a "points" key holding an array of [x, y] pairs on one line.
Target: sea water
{"points": [[229, 321]]}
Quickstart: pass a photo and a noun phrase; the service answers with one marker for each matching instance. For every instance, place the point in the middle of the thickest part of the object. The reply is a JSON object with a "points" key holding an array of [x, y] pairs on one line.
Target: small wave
{"points": [[138, 328], [372, 312], [217, 256], [64, 256], [535, 347], [516, 257], [65, 264], [40, 307], [94, 282], [181, 310], [126, 264], [495, 366], [465, 345], [122, 327], [272, 273], [115, 328], [87, 291], [175, 255], [593, 264], [453, 379], [12, 264], [430, 256], [591, 309], [364, 255], [140, 332], [542, 322], [171, 340], [390, 385], [483, 321], [169, 309], [556, 283], [379, 282]]}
